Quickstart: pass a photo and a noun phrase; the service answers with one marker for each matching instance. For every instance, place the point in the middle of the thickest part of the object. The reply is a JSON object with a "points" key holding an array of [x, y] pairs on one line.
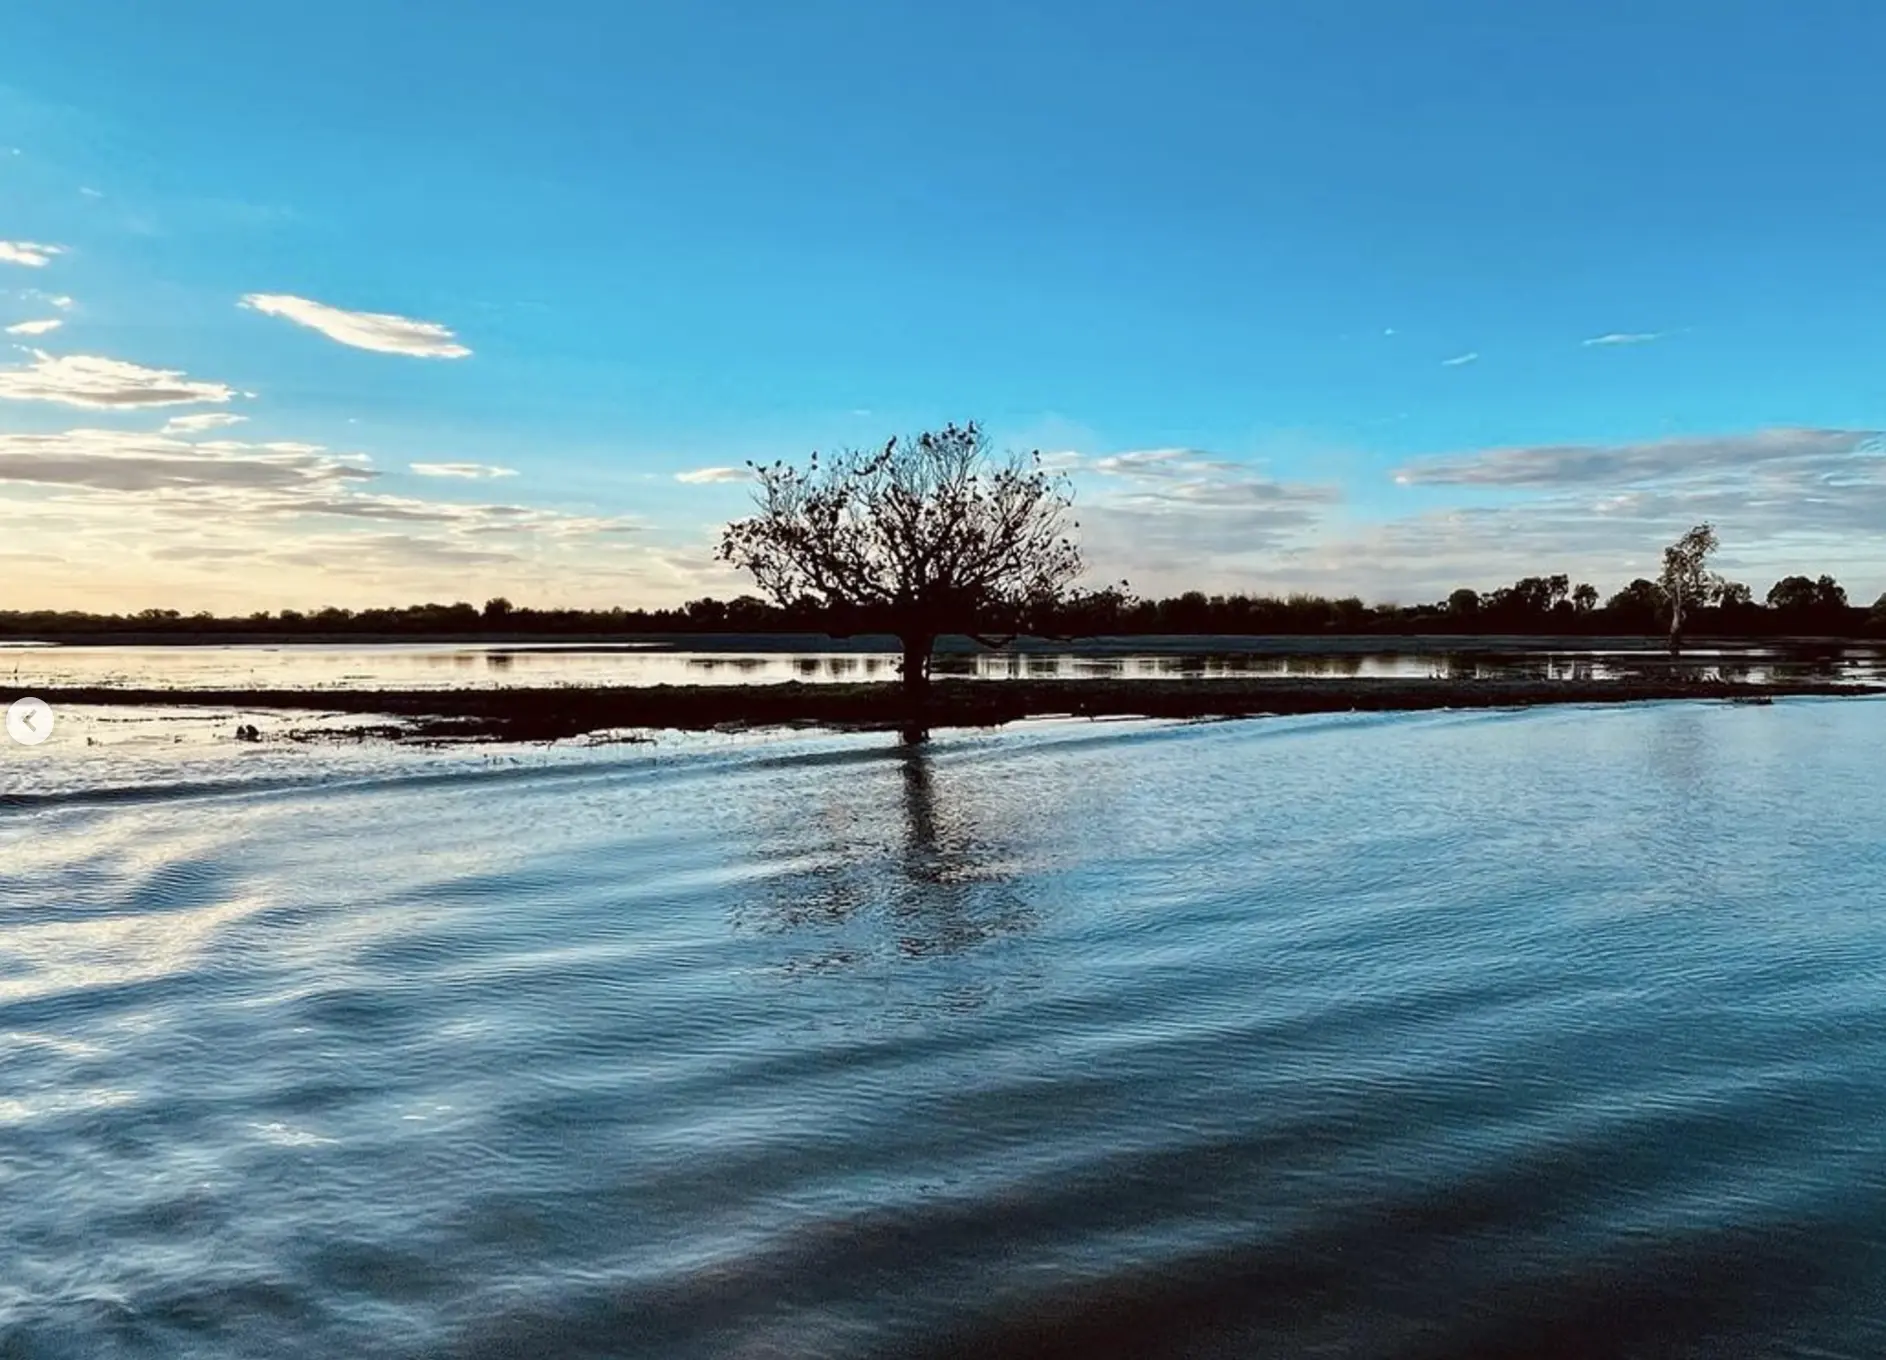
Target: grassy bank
{"points": [[548, 714]]}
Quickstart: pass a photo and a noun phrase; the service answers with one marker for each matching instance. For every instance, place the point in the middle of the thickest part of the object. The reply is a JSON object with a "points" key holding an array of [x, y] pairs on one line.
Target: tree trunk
{"points": [[916, 668], [1676, 627]]}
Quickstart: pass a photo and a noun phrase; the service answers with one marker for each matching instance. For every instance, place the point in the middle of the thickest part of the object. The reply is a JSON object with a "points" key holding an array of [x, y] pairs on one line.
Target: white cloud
{"points": [[240, 480], [59, 300], [1460, 359], [35, 327], [1181, 519], [114, 384], [1783, 500], [90, 192], [466, 470], [1564, 465], [709, 476], [1625, 338], [119, 519], [381, 332], [127, 462], [33, 254], [206, 420]]}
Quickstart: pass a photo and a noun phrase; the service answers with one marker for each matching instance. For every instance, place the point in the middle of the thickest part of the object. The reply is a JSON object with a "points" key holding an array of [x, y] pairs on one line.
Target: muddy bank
{"points": [[549, 714]]}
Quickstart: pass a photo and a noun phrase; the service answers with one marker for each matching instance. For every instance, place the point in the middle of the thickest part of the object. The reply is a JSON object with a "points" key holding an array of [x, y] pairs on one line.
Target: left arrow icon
{"points": [[29, 721]]}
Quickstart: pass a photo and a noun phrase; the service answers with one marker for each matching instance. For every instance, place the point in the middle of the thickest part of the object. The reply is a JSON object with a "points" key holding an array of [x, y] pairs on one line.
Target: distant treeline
{"points": [[1796, 606]]}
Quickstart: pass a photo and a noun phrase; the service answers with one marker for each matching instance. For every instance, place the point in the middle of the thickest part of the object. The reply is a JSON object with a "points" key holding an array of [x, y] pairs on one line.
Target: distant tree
{"points": [[1805, 603], [497, 609], [1638, 606], [929, 534], [1686, 581], [1529, 600], [1584, 597], [1876, 619], [1734, 595], [1189, 613], [1464, 603], [1792, 595], [707, 613]]}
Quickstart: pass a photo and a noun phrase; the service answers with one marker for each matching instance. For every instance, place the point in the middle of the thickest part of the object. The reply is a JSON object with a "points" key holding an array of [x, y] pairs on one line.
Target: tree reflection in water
{"points": [[899, 864]]}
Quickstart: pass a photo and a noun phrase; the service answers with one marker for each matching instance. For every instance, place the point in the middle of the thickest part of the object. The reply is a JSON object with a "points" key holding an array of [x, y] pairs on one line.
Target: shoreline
{"points": [[521, 714], [1112, 644]]}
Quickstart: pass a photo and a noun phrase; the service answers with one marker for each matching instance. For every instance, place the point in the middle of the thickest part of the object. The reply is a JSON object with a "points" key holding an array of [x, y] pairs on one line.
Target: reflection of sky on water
{"points": [[456, 667], [821, 1044]]}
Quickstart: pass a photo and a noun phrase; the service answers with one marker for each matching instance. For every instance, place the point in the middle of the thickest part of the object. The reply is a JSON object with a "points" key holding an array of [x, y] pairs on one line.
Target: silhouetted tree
{"points": [[1687, 582], [1792, 594], [497, 609], [1639, 605], [929, 534], [1464, 603], [1584, 597], [1805, 603]]}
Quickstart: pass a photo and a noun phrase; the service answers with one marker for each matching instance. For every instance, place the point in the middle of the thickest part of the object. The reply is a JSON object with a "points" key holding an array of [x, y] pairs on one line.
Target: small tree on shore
{"points": [[1687, 582], [928, 535]]}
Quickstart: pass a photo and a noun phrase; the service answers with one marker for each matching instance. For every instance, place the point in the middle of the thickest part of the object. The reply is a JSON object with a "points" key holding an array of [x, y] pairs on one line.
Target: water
{"points": [[1495, 1034], [460, 666]]}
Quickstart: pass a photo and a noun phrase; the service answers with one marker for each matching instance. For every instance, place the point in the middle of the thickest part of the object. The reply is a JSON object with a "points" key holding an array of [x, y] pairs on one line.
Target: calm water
{"points": [[1498, 1034], [425, 666]]}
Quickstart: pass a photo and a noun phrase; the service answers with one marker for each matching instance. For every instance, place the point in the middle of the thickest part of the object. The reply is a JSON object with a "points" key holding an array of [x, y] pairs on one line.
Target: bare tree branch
{"points": [[930, 533]]}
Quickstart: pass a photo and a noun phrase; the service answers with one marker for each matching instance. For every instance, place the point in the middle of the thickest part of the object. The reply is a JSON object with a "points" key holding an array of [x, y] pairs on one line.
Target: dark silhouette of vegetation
{"points": [[1798, 606], [927, 536]]}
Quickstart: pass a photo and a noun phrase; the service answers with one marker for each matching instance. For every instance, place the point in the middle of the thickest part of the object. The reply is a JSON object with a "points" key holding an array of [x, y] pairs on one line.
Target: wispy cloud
{"points": [[35, 327], [104, 516], [381, 332], [119, 461], [1783, 500], [470, 471], [258, 481], [59, 300], [111, 384], [1618, 465], [713, 475], [205, 420], [33, 254], [1459, 359], [1624, 338], [1173, 518]]}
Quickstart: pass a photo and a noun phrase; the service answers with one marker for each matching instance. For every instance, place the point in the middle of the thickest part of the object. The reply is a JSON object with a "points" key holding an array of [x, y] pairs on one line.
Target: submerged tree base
{"points": [[551, 714]]}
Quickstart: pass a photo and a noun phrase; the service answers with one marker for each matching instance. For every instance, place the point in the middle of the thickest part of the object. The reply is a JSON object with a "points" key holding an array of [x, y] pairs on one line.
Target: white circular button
{"points": [[29, 721]]}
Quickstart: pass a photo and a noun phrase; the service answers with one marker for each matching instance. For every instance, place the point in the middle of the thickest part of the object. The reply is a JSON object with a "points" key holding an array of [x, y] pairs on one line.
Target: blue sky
{"points": [[1345, 295]]}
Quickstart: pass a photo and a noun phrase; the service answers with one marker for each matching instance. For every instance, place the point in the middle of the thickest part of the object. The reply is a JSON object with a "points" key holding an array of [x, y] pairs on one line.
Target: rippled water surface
{"points": [[453, 666], [1550, 1033]]}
